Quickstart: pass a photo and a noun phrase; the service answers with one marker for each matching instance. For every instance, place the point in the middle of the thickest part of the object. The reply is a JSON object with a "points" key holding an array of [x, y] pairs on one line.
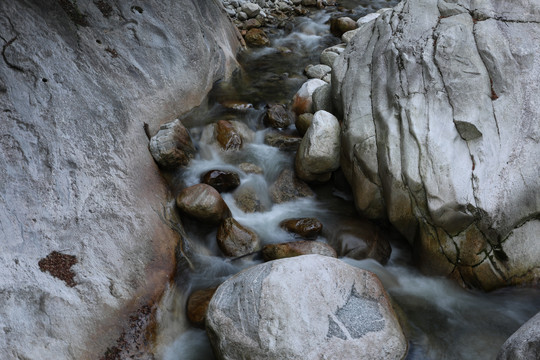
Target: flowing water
{"points": [[443, 320]]}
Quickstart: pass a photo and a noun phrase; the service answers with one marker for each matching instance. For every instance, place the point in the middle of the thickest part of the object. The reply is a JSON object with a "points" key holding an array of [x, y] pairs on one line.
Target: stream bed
{"points": [[443, 320]]}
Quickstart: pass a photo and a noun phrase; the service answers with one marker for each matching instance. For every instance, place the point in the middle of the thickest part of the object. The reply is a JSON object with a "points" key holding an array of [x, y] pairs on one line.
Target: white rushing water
{"points": [[442, 320]]}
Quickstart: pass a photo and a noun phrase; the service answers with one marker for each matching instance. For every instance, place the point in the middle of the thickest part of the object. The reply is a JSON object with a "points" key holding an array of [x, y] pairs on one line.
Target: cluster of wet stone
{"points": [[251, 17], [316, 141]]}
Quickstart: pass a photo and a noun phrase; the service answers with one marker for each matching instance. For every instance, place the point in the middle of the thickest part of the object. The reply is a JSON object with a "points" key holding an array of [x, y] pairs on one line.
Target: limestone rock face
{"points": [[524, 344], [171, 147], [440, 133], [75, 171], [282, 310], [319, 150]]}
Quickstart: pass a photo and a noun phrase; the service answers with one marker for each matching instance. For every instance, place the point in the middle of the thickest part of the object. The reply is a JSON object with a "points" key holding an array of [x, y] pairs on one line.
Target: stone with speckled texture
{"points": [[306, 307]]}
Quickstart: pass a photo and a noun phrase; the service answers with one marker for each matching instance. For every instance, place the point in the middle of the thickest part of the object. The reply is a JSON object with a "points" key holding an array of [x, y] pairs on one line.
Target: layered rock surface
{"points": [[306, 307], [76, 85], [440, 105]]}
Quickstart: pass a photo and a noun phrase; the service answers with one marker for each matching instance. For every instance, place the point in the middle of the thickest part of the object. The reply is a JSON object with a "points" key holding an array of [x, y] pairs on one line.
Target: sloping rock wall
{"points": [[77, 81], [440, 105]]}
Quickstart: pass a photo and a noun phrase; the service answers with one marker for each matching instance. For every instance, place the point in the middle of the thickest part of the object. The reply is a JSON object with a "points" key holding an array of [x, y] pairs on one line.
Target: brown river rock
{"points": [[256, 37], [222, 181], [296, 248], [284, 142], [236, 240], [197, 305], [227, 136], [278, 116], [202, 202], [308, 228]]}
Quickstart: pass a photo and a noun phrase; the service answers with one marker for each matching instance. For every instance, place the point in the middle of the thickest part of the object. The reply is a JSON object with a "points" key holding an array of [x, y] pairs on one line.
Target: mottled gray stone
{"points": [[282, 310]]}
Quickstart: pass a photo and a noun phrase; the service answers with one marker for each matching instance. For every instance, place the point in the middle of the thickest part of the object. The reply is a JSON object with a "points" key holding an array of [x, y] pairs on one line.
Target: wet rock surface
{"points": [[303, 122], [171, 147], [235, 239], [227, 136], [204, 203], [256, 37], [249, 200], [250, 168], [288, 187], [285, 142], [278, 117], [284, 303], [296, 248], [302, 101], [360, 239], [308, 228], [197, 305], [222, 181]]}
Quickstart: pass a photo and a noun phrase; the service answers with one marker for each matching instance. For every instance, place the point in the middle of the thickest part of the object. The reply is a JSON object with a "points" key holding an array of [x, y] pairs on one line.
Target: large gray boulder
{"points": [[76, 85], [524, 344], [306, 307], [440, 103]]}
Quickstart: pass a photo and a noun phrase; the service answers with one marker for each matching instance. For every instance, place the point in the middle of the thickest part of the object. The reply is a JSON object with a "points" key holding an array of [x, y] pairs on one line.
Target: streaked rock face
{"points": [[75, 171], [440, 133], [284, 310]]}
